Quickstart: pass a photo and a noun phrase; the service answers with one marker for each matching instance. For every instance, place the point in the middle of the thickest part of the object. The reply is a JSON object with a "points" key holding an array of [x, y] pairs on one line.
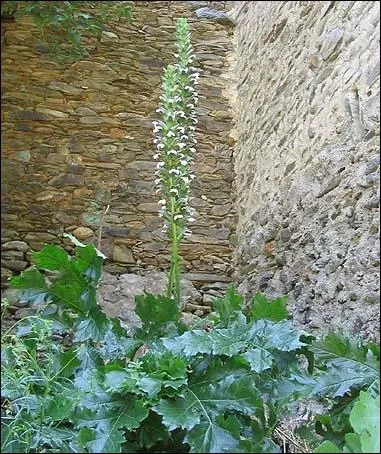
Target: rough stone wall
{"points": [[78, 137], [307, 158]]}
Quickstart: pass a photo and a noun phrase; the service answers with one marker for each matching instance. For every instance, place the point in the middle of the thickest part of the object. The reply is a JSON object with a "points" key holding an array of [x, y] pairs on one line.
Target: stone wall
{"points": [[307, 158], [78, 137]]}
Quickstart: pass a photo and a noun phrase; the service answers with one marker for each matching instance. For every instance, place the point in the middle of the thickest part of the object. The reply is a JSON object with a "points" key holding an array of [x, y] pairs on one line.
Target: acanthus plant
{"points": [[220, 387], [175, 143]]}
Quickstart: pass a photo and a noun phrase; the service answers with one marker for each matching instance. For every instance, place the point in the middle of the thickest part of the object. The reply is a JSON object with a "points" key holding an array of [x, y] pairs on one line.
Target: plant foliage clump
{"points": [[65, 25], [167, 388]]}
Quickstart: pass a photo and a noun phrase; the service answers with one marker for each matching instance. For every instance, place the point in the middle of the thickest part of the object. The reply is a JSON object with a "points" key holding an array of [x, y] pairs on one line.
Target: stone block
{"points": [[122, 253]]}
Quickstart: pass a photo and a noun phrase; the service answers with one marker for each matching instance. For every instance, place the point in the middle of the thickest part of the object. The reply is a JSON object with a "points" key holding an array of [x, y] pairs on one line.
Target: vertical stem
{"points": [[174, 273], [104, 212]]}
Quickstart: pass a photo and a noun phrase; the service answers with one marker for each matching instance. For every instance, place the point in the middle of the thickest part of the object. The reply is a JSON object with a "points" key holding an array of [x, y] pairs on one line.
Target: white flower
{"points": [[159, 164], [183, 162], [171, 134], [155, 156], [159, 146], [174, 191], [174, 172], [175, 152], [162, 202], [178, 216]]}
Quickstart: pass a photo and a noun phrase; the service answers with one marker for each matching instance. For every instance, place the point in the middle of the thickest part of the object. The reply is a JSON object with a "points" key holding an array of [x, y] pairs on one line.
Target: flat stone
{"points": [[221, 210], [12, 255], [220, 234], [143, 165], [189, 319], [116, 231], [11, 295], [206, 277], [6, 274], [54, 113], [31, 115], [82, 233], [41, 237], [109, 37], [64, 88], [23, 156], [122, 253], [95, 120], [14, 265], [85, 111], [22, 313], [69, 179], [90, 66], [148, 207], [15, 246]]}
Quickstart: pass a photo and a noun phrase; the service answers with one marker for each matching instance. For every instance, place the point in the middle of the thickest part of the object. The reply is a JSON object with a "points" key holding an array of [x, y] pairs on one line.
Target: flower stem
{"points": [[174, 272]]}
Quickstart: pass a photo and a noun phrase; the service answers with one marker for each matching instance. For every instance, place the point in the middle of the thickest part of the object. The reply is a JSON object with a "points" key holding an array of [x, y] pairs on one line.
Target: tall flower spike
{"points": [[175, 145]]}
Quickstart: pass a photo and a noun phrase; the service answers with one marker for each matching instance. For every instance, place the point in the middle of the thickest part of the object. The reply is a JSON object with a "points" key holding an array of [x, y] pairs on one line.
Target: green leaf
{"points": [[262, 308], [365, 417], [208, 437], [88, 262], [154, 312], [337, 381], [52, 258], [258, 359], [67, 295], [200, 401], [353, 443], [238, 395], [229, 305], [114, 379], [366, 413], [327, 447], [151, 386], [277, 336], [114, 346], [94, 327], [345, 351], [152, 431], [162, 370], [68, 362], [75, 241], [178, 413], [32, 286], [370, 442], [190, 343], [108, 420], [224, 342]]}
